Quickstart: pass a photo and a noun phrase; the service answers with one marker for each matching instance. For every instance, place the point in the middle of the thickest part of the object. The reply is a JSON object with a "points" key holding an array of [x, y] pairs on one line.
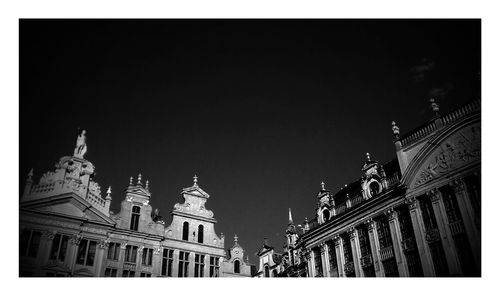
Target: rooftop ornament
{"points": [[81, 146], [235, 238], [434, 106], [367, 156], [395, 130], [131, 181], [322, 186], [108, 192], [195, 180], [139, 178], [147, 184]]}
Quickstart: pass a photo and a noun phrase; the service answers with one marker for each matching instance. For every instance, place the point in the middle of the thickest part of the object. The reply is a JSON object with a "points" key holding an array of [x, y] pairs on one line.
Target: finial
{"points": [[235, 238], [265, 241], [434, 106], [195, 180], [322, 186], [367, 156], [131, 181], [30, 175], [139, 178], [147, 184], [290, 220], [108, 196], [395, 130]]}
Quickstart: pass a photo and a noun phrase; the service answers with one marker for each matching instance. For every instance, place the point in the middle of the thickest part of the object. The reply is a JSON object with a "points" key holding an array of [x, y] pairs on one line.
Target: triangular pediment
{"points": [[139, 190], [68, 205], [196, 191], [452, 150], [264, 250]]}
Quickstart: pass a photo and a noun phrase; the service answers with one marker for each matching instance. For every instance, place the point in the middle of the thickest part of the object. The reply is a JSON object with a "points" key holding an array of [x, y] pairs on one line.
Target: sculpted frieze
{"points": [[458, 150]]}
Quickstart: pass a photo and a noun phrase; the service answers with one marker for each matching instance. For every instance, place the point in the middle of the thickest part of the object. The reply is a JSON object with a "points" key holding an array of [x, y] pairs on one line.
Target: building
{"points": [[416, 215], [67, 229]]}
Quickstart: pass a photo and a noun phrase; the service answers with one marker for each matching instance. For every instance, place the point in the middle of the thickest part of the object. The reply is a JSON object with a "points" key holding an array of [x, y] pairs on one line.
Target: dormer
{"points": [[325, 205], [373, 178], [136, 212]]}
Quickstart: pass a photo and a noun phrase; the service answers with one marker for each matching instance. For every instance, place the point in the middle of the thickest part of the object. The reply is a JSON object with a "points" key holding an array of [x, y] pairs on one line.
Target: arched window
{"points": [[266, 271], [134, 221], [185, 231], [326, 215], [236, 266], [374, 188], [200, 234]]}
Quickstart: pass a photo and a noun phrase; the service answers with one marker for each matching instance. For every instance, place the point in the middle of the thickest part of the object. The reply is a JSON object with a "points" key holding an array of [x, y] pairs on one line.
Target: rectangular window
{"points": [[384, 233], [113, 251], [128, 273], [110, 272], [145, 274], [214, 266], [332, 256], [167, 261], [134, 219], [29, 243], [199, 265], [183, 264], [147, 256], [86, 252], [59, 247], [364, 241], [317, 262], [130, 253]]}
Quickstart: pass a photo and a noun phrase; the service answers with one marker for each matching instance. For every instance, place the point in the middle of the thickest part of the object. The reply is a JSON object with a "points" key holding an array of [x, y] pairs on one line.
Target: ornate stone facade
{"points": [[67, 229], [417, 215]]}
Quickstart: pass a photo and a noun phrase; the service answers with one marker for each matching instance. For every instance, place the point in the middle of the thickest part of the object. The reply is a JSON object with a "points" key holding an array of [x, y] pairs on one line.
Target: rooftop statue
{"points": [[81, 146]]}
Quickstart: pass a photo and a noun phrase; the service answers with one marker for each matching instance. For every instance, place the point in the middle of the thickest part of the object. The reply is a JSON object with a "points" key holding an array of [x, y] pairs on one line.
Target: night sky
{"points": [[261, 110]]}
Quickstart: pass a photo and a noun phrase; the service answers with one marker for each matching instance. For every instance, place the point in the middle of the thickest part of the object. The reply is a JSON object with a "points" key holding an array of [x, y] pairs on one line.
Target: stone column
{"points": [[206, 269], [325, 259], [191, 264], [74, 243], [468, 218], [156, 264], [339, 251], [444, 232], [419, 231], [356, 251], [310, 259], [102, 248], [45, 247], [375, 248], [138, 261], [175, 264], [392, 217]]}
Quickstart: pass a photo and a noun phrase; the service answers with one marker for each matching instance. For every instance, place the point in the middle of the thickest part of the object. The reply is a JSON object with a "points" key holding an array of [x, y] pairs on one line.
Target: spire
{"points": [[367, 156], [108, 192], [395, 130], [195, 180], [290, 220], [139, 178]]}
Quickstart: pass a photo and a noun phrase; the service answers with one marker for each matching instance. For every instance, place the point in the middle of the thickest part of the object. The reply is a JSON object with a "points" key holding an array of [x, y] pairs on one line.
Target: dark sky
{"points": [[261, 110]]}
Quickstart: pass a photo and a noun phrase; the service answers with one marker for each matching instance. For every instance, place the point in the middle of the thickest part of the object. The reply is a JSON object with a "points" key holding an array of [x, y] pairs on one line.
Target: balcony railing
{"points": [[430, 127], [456, 227], [386, 253]]}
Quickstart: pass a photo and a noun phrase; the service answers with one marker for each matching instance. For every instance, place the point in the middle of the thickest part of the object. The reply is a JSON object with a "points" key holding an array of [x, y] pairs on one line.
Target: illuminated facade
{"points": [[67, 229], [417, 215]]}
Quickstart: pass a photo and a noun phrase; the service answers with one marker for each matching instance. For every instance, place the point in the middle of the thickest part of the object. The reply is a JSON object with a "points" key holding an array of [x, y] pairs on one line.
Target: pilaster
{"points": [[175, 264], [392, 217], [419, 231], [102, 249], [356, 251], [325, 260], [375, 248], [339, 251], [468, 218], [444, 232]]}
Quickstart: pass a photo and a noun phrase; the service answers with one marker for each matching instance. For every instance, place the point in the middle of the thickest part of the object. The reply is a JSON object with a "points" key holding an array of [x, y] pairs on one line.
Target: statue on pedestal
{"points": [[81, 146]]}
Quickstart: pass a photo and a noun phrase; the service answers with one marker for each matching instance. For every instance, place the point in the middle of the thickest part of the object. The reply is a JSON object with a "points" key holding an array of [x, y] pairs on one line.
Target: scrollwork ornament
{"points": [[458, 185], [434, 194], [337, 240], [412, 203], [391, 214], [76, 239], [104, 243], [352, 233], [370, 224]]}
